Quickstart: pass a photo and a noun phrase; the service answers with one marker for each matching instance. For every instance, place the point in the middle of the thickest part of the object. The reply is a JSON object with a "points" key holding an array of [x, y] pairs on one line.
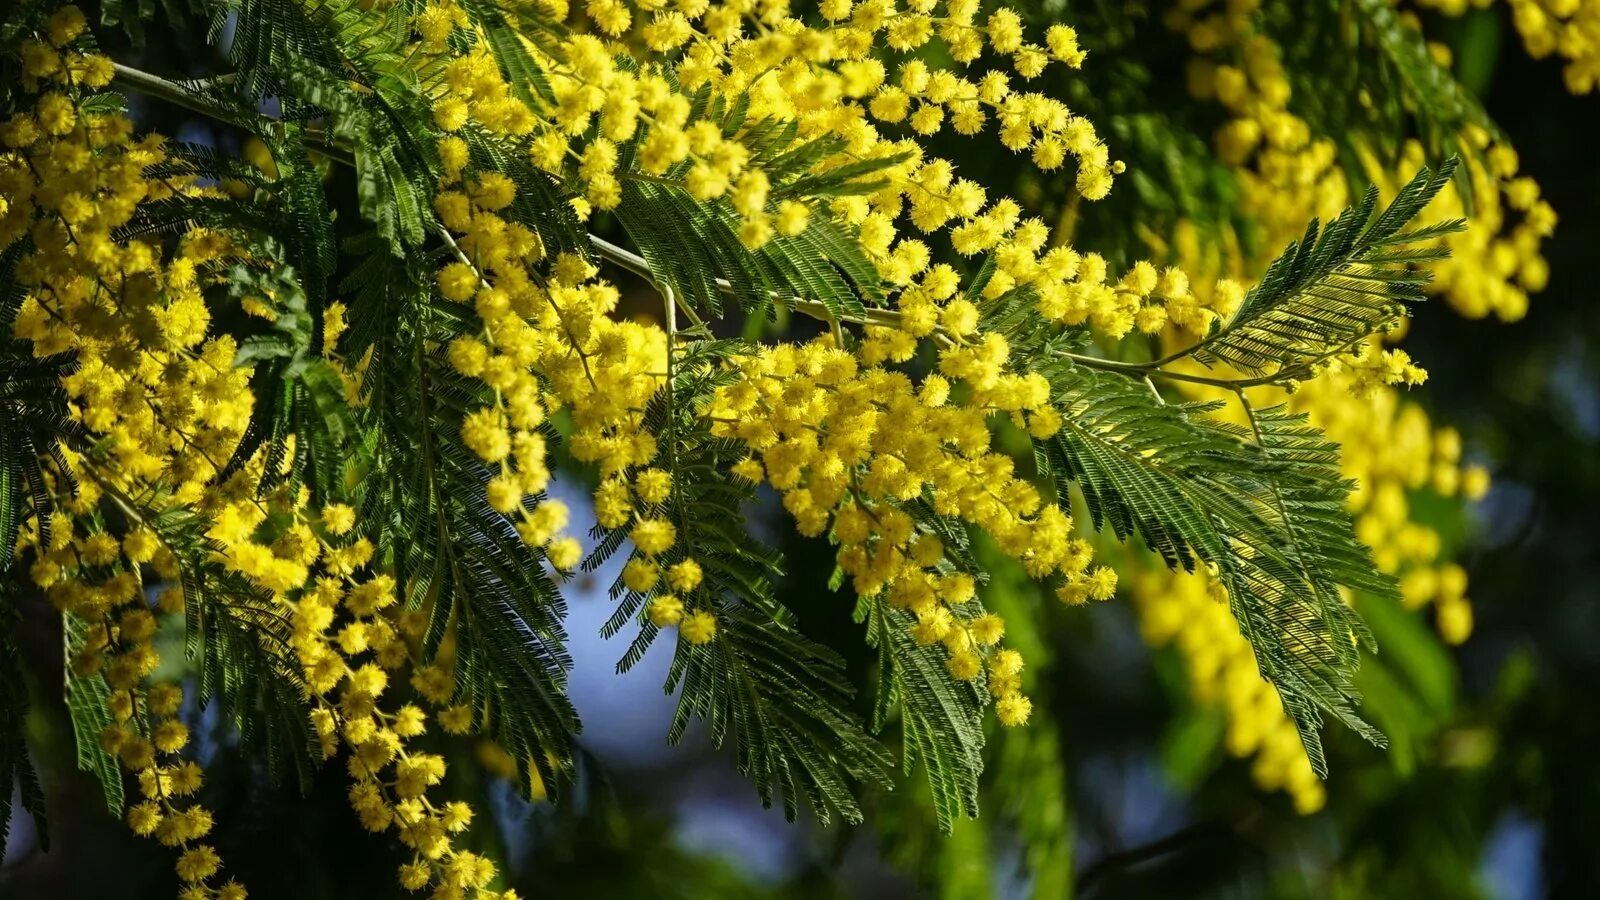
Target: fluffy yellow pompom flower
{"points": [[653, 485], [338, 518], [684, 576], [1006, 663], [698, 628], [493, 191], [988, 629], [144, 818], [1013, 710], [456, 719], [504, 493], [140, 545], [564, 553], [792, 218], [198, 863], [414, 876], [64, 25], [653, 536], [485, 433], [665, 610], [457, 282], [964, 666], [640, 575]]}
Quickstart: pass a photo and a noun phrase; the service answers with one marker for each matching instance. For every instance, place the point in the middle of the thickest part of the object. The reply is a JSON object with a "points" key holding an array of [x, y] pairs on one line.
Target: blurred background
{"points": [[1124, 788]]}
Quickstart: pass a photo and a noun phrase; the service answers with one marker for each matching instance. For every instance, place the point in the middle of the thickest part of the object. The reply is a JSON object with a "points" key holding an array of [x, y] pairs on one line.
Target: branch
{"points": [[1201, 833], [183, 94]]}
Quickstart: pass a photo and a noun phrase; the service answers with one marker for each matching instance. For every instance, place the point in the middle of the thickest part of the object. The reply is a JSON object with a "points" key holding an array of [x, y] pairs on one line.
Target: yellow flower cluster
{"points": [[548, 341], [159, 387], [780, 70], [1390, 450], [167, 405], [353, 642], [1496, 262], [1568, 28], [349, 639], [851, 445], [164, 396], [96, 580], [161, 399], [1287, 174]]}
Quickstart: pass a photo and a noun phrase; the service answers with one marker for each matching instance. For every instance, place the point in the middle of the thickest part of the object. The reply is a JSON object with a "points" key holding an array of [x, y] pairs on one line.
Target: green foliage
{"points": [[87, 702], [941, 720], [1262, 508], [1336, 51], [332, 61], [786, 700], [952, 855], [1334, 287], [133, 15], [1199, 492], [458, 561]]}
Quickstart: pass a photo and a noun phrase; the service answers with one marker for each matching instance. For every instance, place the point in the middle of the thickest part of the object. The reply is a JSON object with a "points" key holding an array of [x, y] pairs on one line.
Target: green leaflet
{"points": [[87, 699], [690, 246], [785, 701], [455, 557], [1333, 287], [504, 29], [1266, 512], [299, 395], [307, 56], [335, 36], [850, 178], [1269, 518], [941, 719], [133, 14]]}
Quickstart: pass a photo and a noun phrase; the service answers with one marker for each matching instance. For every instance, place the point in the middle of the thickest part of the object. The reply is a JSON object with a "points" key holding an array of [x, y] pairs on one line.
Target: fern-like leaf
{"points": [[1333, 287], [785, 701], [941, 719], [456, 558], [88, 705], [1267, 518]]}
